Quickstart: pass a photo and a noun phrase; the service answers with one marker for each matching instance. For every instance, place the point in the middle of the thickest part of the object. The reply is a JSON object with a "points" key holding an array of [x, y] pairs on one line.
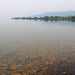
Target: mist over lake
{"points": [[37, 47]]}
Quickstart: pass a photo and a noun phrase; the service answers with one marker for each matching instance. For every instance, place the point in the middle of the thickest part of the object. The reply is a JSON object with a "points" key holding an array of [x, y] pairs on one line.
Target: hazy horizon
{"points": [[33, 7]]}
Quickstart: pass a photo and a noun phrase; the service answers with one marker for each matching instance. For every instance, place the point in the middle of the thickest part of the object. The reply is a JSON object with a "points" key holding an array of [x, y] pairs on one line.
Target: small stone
{"points": [[64, 73]]}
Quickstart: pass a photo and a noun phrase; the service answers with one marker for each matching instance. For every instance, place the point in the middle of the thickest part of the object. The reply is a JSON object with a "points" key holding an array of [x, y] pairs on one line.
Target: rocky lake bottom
{"points": [[38, 59]]}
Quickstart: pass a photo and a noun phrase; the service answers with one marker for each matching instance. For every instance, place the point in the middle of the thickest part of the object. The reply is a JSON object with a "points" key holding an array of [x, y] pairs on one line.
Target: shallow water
{"points": [[30, 47]]}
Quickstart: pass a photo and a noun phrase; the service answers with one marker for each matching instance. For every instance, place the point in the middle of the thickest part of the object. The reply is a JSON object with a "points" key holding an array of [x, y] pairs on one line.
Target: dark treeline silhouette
{"points": [[47, 18]]}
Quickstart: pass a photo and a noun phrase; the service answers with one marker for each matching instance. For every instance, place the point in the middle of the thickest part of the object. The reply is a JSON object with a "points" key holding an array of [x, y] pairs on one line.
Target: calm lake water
{"points": [[34, 47]]}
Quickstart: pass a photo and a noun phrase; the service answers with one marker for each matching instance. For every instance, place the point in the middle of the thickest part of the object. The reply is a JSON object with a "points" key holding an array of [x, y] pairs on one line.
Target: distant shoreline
{"points": [[51, 18]]}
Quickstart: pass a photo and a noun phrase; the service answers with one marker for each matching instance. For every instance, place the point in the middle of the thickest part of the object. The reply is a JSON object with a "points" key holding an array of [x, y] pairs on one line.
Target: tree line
{"points": [[47, 18]]}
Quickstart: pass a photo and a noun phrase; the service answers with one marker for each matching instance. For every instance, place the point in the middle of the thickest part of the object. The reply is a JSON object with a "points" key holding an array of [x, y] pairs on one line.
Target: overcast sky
{"points": [[32, 7]]}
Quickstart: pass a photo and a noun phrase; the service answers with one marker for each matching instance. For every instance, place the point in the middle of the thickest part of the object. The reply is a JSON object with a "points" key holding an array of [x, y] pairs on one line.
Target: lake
{"points": [[34, 47]]}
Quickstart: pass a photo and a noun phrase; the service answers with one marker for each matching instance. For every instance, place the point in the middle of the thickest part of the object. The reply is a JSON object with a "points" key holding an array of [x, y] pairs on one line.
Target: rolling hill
{"points": [[62, 13]]}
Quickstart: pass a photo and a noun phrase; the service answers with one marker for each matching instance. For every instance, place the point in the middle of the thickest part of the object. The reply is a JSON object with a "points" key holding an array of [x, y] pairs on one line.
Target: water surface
{"points": [[37, 47]]}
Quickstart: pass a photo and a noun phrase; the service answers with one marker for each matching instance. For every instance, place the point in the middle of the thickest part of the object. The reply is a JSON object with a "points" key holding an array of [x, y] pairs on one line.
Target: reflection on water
{"points": [[30, 47]]}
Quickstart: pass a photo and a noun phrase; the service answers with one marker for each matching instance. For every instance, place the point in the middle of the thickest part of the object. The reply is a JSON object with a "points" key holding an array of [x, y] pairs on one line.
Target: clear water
{"points": [[37, 47]]}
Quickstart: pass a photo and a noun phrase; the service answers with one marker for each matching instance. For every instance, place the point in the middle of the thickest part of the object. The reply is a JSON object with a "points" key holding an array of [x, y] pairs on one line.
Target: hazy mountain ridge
{"points": [[62, 13]]}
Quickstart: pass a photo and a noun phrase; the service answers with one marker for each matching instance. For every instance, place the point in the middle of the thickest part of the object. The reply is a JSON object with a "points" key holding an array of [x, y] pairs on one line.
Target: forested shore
{"points": [[47, 18]]}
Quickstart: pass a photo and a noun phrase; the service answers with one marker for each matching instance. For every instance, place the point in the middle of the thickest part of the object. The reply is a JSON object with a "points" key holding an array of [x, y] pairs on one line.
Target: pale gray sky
{"points": [[32, 7]]}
